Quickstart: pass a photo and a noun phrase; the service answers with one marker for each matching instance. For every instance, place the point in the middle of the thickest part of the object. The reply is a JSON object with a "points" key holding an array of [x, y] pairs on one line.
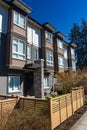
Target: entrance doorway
{"points": [[29, 84]]}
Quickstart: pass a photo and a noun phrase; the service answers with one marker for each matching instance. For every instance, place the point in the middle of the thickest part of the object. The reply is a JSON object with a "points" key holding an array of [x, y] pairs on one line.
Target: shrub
{"points": [[71, 79], [27, 120]]}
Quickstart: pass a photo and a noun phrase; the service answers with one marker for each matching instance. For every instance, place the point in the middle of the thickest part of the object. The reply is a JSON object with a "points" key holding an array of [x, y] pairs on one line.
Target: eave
{"points": [[22, 6], [34, 22], [49, 26], [61, 35]]}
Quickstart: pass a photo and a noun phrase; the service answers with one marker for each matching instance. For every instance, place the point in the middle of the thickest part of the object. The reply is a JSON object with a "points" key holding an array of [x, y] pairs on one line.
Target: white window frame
{"points": [[61, 61], [46, 82], [29, 52], [14, 88], [18, 22], [49, 58], [16, 54], [59, 44], [36, 54], [48, 36]]}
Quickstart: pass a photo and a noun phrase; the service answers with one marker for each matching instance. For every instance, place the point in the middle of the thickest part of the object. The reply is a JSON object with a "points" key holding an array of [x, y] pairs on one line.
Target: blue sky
{"points": [[60, 13]]}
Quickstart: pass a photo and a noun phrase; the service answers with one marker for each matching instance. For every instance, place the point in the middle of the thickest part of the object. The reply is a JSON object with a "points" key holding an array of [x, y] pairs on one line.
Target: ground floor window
{"points": [[13, 83], [46, 82]]}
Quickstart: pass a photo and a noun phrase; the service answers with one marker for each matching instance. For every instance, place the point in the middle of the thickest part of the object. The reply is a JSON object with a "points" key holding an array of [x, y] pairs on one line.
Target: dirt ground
{"points": [[72, 120]]}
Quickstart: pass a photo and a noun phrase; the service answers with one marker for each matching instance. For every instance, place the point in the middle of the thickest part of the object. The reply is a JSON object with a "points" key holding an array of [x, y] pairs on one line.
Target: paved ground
{"points": [[81, 124]]}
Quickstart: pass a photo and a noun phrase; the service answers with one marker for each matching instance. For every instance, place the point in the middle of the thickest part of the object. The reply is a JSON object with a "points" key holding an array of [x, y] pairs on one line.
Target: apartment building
{"points": [[30, 53], [64, 54], [48, 55], [13, 22], [71, 56]]}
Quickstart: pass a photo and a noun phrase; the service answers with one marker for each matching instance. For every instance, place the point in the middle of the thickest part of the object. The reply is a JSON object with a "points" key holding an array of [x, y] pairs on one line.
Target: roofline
{"points": [[21, 3], [73, 44], [62, 35], [35, 22], [67, 44], [51, 27]]}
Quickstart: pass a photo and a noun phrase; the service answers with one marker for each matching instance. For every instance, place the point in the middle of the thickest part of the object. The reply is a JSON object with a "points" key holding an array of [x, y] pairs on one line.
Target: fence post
{"points": [[72, 102], [83, 95], [50, 111], [1, 109], [66, 107]]}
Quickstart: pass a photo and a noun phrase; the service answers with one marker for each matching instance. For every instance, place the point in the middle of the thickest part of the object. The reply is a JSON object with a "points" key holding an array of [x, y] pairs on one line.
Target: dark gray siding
{"points": [[3, 44]]}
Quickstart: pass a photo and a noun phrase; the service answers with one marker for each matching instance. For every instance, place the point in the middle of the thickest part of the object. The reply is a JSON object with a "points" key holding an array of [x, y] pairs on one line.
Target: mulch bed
{"points": [[73, 119]]}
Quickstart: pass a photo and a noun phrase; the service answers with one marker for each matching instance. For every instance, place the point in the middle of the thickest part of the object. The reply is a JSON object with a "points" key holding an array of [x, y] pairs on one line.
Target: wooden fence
{"points": [[7, 106], [59, 109]]}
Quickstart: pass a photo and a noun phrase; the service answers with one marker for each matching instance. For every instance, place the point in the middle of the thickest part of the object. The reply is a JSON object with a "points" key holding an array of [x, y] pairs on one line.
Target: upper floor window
{"points": [[36, 53], [59, 44], [48, 36], [49, 58], [18, 49], [61, 61], [19, 19], [72, 52], [13, 83], [28, 52]]}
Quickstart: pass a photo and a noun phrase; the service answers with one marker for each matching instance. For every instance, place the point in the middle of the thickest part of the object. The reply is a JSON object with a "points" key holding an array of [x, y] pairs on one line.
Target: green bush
{"points": [[85, 100], [52, 95]]}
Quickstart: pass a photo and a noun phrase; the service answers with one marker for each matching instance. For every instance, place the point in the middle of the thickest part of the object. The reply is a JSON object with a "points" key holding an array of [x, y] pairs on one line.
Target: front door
{"points": [[29, 84]]}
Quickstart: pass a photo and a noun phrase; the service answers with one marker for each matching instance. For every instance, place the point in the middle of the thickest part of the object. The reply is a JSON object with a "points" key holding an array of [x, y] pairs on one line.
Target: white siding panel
{"points": [[33, 36], [3, 20], [36, 37], [65, 52], [29, 34], [0, 23]]}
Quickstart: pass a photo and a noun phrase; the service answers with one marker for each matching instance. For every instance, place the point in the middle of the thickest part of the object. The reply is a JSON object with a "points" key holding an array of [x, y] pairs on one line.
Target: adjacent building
{"points": [[30, 53]]}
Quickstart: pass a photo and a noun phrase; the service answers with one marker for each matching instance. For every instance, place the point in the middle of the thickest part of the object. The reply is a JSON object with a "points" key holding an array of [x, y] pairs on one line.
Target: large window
{"points": [[46, 82], [48, 36], [19, 19], [36, 55], [18, 49], [59, 44], [28, 52], [49, 58], [13, 83], [61, 61]]}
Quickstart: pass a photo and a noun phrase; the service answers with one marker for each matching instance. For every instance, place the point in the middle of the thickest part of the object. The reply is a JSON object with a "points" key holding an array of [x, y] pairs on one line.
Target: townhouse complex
{"points": [[30, 53]]}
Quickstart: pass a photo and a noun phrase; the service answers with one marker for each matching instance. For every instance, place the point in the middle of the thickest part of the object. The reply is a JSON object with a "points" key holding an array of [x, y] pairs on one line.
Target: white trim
{"points": [[46, 82], [48, 36], [15, 88], [49, 58], [59, 44], [19, 16], [61, 61], [20, 55]]}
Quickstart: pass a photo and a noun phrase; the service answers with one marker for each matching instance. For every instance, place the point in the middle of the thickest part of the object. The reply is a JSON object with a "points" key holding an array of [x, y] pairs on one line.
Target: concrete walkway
{"points": [[81, 124]]}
